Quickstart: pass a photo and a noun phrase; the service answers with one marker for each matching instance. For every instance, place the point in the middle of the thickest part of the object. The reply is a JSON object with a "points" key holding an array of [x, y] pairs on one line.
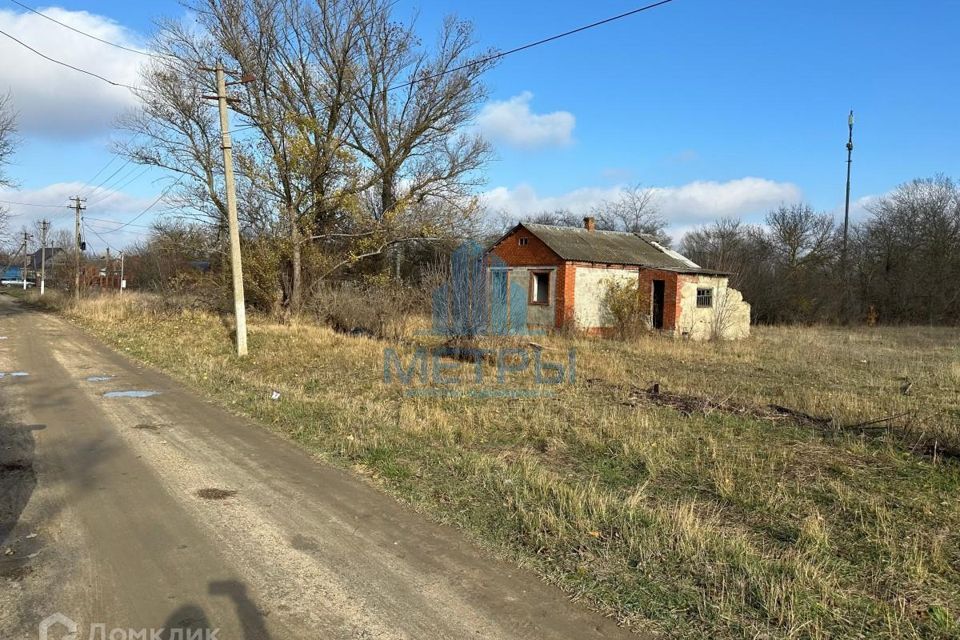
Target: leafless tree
{"points": [[352, 139], [721, 245], [8, 135], [635, 209], [908, 253], [175, 128], [8, 142], [800, 236], [412, 108]]}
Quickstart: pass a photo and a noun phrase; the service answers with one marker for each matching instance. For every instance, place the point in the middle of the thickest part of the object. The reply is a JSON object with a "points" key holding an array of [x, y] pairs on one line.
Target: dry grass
{"points": [[711, 524]]}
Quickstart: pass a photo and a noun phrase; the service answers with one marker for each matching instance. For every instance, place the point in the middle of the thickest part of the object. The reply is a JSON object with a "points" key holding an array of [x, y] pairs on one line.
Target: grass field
{"points": [[707, 516]]}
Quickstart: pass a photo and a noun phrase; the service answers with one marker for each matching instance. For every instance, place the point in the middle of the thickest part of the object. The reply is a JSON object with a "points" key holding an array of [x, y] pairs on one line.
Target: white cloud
{"points": [[683, 206], [53, 100], [703, 201], [512, 122]]}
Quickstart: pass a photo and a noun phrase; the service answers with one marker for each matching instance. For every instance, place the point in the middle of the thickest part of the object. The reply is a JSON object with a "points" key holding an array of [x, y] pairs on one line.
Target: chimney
{"points": [[590, 224]]}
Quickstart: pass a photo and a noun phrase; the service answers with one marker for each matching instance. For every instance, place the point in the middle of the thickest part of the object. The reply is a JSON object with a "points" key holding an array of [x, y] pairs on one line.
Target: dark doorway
{"points": [[658, 290]]}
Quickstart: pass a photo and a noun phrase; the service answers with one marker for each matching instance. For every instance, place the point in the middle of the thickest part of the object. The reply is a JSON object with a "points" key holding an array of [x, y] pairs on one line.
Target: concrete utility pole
{"points": [[44, 227], [80, 245], [26, 259], [239, 306]]}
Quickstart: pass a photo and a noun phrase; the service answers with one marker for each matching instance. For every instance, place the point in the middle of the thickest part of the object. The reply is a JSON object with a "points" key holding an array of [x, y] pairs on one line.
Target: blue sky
{"points": [[726, 108]]}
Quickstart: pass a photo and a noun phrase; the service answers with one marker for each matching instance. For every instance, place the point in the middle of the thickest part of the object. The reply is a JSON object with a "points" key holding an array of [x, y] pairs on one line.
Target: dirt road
{"points": [[167, 512]]}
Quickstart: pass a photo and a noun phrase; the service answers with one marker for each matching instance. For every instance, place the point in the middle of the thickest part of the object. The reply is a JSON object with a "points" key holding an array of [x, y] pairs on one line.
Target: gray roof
{"points": [[36, 259], [611, 247]]}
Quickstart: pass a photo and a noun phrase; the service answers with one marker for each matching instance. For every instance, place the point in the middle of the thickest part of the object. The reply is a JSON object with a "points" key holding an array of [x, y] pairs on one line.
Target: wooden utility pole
{"points": [[239, 306], [79, 245], [44, 227]]}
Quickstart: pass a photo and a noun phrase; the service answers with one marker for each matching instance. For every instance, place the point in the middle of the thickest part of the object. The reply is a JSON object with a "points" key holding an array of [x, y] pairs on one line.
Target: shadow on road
{"points": [[251, 618], [191, 617], [18, 478]]}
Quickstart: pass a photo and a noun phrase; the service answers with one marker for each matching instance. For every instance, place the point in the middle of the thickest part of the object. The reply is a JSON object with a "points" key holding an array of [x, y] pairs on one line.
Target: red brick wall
{"points": [[566, 280], [533, 254], [536, 254], [671, 294]]}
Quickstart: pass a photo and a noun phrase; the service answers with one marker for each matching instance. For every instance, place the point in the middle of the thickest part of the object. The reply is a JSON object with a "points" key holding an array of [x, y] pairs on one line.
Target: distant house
{"points": [[51, 253], [566, 271]]}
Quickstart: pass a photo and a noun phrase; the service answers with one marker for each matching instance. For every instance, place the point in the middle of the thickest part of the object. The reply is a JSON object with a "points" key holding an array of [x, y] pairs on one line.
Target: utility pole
{"points": [[26, 259], [79, 246], [121, 273], [844, 265], [44, 227], [239, 306], [109, 269]]}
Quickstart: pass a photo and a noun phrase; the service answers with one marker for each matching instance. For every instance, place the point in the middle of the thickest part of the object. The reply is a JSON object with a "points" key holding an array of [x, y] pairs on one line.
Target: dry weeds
{"points": [[704, 523]]}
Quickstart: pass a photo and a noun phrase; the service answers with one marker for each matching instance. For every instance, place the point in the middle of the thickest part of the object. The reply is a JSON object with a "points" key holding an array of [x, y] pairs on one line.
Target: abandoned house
{"points": [[567, 271]]}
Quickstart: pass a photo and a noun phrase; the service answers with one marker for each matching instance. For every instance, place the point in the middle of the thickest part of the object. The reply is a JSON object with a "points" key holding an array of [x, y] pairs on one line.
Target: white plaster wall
{"points": [[541, 315], [728, 318], [589, 288]]}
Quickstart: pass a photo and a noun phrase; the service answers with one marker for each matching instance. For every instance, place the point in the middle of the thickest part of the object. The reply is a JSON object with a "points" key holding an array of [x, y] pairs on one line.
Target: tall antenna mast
{"points": [[846, 209]]}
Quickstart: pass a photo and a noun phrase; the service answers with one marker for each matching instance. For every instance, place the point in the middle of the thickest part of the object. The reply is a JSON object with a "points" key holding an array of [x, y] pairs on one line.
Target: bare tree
{"points": [[635, 209], [8, 135], [353, 134], [800, 235], [556, 218], [721, 245], [413, 106], [908, 253]]}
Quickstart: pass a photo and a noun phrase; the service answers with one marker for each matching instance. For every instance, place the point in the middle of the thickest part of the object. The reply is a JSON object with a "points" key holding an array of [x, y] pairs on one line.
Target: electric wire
{"points": [[84, 33], [119, 187], [493, 57], [70, 66], [530, 45]]}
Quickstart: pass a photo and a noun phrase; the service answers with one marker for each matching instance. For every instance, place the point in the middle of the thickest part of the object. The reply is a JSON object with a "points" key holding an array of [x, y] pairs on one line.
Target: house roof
{"points": [[36, 259], [610, 247]]}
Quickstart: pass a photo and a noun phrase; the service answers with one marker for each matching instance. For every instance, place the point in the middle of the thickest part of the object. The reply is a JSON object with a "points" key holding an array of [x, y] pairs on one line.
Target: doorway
{"points": [[659, 287]]}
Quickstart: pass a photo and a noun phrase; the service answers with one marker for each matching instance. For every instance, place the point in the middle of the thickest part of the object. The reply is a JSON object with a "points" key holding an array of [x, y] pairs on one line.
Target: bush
{"points": [[383, 311], [627, 309]]}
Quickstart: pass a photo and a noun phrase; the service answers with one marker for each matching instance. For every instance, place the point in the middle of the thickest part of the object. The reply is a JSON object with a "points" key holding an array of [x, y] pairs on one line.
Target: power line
{"points": [[109, 178], [504, 54], [29, 204], [70, 66], [106, 221], [102, 239], [84, 33], [530, 45], [118, 186], [152, 205], [102, 169], [496, 56]]}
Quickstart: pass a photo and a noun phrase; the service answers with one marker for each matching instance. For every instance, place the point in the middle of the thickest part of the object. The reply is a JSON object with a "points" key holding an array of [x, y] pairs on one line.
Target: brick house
{"points": [[566, 271]]}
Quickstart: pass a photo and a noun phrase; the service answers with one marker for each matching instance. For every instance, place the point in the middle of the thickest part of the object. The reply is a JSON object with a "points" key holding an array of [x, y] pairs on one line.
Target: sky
{"points": [[723, 108]]}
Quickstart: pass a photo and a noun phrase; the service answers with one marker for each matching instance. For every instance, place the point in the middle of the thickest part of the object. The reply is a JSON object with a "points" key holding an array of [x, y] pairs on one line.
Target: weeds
{"points": [[699, 523]]}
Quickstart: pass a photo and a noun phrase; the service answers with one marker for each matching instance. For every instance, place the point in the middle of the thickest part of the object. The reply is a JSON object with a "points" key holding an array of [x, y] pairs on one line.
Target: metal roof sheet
{"points": [[611, 247]]}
